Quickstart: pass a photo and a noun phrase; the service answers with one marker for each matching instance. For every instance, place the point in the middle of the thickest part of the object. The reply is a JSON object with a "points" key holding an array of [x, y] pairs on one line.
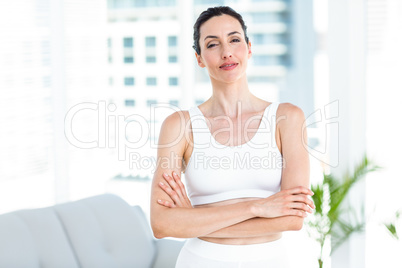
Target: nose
{"points": [[226, 52]]}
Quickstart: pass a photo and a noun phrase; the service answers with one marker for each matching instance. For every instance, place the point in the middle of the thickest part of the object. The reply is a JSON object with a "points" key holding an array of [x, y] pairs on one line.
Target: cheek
{"points": [[245, 49], [241, 51], [209, 59]]}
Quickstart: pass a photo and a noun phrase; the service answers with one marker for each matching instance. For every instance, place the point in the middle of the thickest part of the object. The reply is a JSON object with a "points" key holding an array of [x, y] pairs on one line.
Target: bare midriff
{"points": [[239, 240]]}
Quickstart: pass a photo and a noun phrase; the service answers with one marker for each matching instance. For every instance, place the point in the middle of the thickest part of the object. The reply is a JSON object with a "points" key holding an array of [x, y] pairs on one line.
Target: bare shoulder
{"points": [[174, 127], [289, 114], [177, 118], [287, 108]]}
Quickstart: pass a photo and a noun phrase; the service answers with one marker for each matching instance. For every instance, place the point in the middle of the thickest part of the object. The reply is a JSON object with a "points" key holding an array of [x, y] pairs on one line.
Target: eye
{"points": [[211, 45], [235, 40]]}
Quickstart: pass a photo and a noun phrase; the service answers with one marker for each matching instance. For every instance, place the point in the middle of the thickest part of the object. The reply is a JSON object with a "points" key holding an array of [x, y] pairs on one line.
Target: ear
{"points": [[249, 49], [199, 60]]}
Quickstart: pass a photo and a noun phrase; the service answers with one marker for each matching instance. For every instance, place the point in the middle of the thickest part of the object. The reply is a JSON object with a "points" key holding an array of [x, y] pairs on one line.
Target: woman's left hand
{"points": [[176, 190]]}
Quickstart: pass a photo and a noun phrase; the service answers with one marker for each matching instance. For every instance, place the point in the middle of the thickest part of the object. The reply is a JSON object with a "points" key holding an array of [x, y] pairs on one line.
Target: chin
{"points": [[228, 78], [233, 78]]}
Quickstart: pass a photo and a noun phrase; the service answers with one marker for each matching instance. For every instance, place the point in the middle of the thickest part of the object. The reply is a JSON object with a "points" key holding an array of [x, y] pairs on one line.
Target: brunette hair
{"points": [[212, 12]]}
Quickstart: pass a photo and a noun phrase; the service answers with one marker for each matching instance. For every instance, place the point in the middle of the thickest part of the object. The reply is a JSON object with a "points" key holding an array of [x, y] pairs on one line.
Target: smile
{"points": [[229, 66]]}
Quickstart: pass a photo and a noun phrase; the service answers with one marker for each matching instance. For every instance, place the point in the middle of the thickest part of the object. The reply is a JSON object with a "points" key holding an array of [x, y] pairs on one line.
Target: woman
{"points": [[239, 205]]}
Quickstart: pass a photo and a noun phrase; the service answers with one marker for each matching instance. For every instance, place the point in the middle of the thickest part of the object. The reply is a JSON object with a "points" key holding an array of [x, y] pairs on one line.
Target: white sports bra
{"points": [[216, 172]]}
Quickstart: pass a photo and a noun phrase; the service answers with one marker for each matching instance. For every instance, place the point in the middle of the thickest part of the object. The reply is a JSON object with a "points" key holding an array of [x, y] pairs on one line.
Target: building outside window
{"points": [[267, 60], [151, 81], [150, 59], [260, 79], [172, 59], [47, 81], [199, 101], [128, 42], [129, 81], [128, 59], [265, 39], [129, 103], [140, 3], [210, 2], [172, 41], [109, 45], [150, 102], [173, 81], [267, 17], [150, 41], [174, 102]]}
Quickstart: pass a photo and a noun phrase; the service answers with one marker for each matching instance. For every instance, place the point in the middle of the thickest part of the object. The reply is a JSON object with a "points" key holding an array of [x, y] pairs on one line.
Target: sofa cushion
{"points": [[106, 232], [168, 251], [34, 239]]}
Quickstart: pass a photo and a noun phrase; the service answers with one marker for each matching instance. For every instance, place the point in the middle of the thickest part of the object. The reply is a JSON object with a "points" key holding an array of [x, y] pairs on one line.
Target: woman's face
{"points": [[224, 51]]}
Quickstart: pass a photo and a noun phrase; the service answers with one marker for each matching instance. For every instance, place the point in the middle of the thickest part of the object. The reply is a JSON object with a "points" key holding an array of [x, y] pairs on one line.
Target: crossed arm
{"points": [[171, 211], [257, 226]]}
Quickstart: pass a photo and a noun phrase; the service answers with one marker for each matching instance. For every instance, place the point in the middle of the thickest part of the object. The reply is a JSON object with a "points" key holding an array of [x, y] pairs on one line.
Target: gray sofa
{"points": [[97, 232]]}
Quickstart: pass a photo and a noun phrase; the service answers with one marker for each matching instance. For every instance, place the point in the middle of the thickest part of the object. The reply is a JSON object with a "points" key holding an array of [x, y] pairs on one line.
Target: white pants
{"points": [[197, 253]]}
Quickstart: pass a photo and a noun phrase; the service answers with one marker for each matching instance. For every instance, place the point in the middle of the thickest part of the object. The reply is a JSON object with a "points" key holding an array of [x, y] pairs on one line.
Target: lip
{"points": [[228, 66]]}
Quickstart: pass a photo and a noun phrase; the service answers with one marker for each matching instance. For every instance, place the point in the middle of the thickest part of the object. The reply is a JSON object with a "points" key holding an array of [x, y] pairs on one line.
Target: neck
{"points": [[231, 99]]}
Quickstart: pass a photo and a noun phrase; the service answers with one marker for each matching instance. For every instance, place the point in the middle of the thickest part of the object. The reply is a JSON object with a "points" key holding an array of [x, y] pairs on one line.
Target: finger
{"points": [[165, 187], [182, 188], [302, 198], [179, 183], [171, 193], [301, 206], [183, 194], [172, 183], [300, 190], [181, 191], [297, 212], [166, 203]]}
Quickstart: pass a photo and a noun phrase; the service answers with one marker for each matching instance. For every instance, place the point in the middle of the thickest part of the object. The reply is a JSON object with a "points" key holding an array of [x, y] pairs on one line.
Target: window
{"points": [[129, 103], [266, 17], [114, 4], [174, 102], [128, 42], [172, 41], [150, 102], [258, 39], [173, 81], [110, 81], [259, 79], [210, 2], [47, 81], [172, 59], [109, 42], [263, 39], [199, 101], [128, 59], [150, 59], [140, 3], [266, 60], [151, 81], [129, 81], [150, 41]]}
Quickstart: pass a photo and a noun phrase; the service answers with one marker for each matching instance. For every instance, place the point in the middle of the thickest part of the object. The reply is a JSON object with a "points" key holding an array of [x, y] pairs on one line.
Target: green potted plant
{"points": [[333, 221], [392, 226]]}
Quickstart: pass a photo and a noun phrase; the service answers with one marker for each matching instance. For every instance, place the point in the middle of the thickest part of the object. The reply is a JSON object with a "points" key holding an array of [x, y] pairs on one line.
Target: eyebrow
{"points": [[214, 36]]}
